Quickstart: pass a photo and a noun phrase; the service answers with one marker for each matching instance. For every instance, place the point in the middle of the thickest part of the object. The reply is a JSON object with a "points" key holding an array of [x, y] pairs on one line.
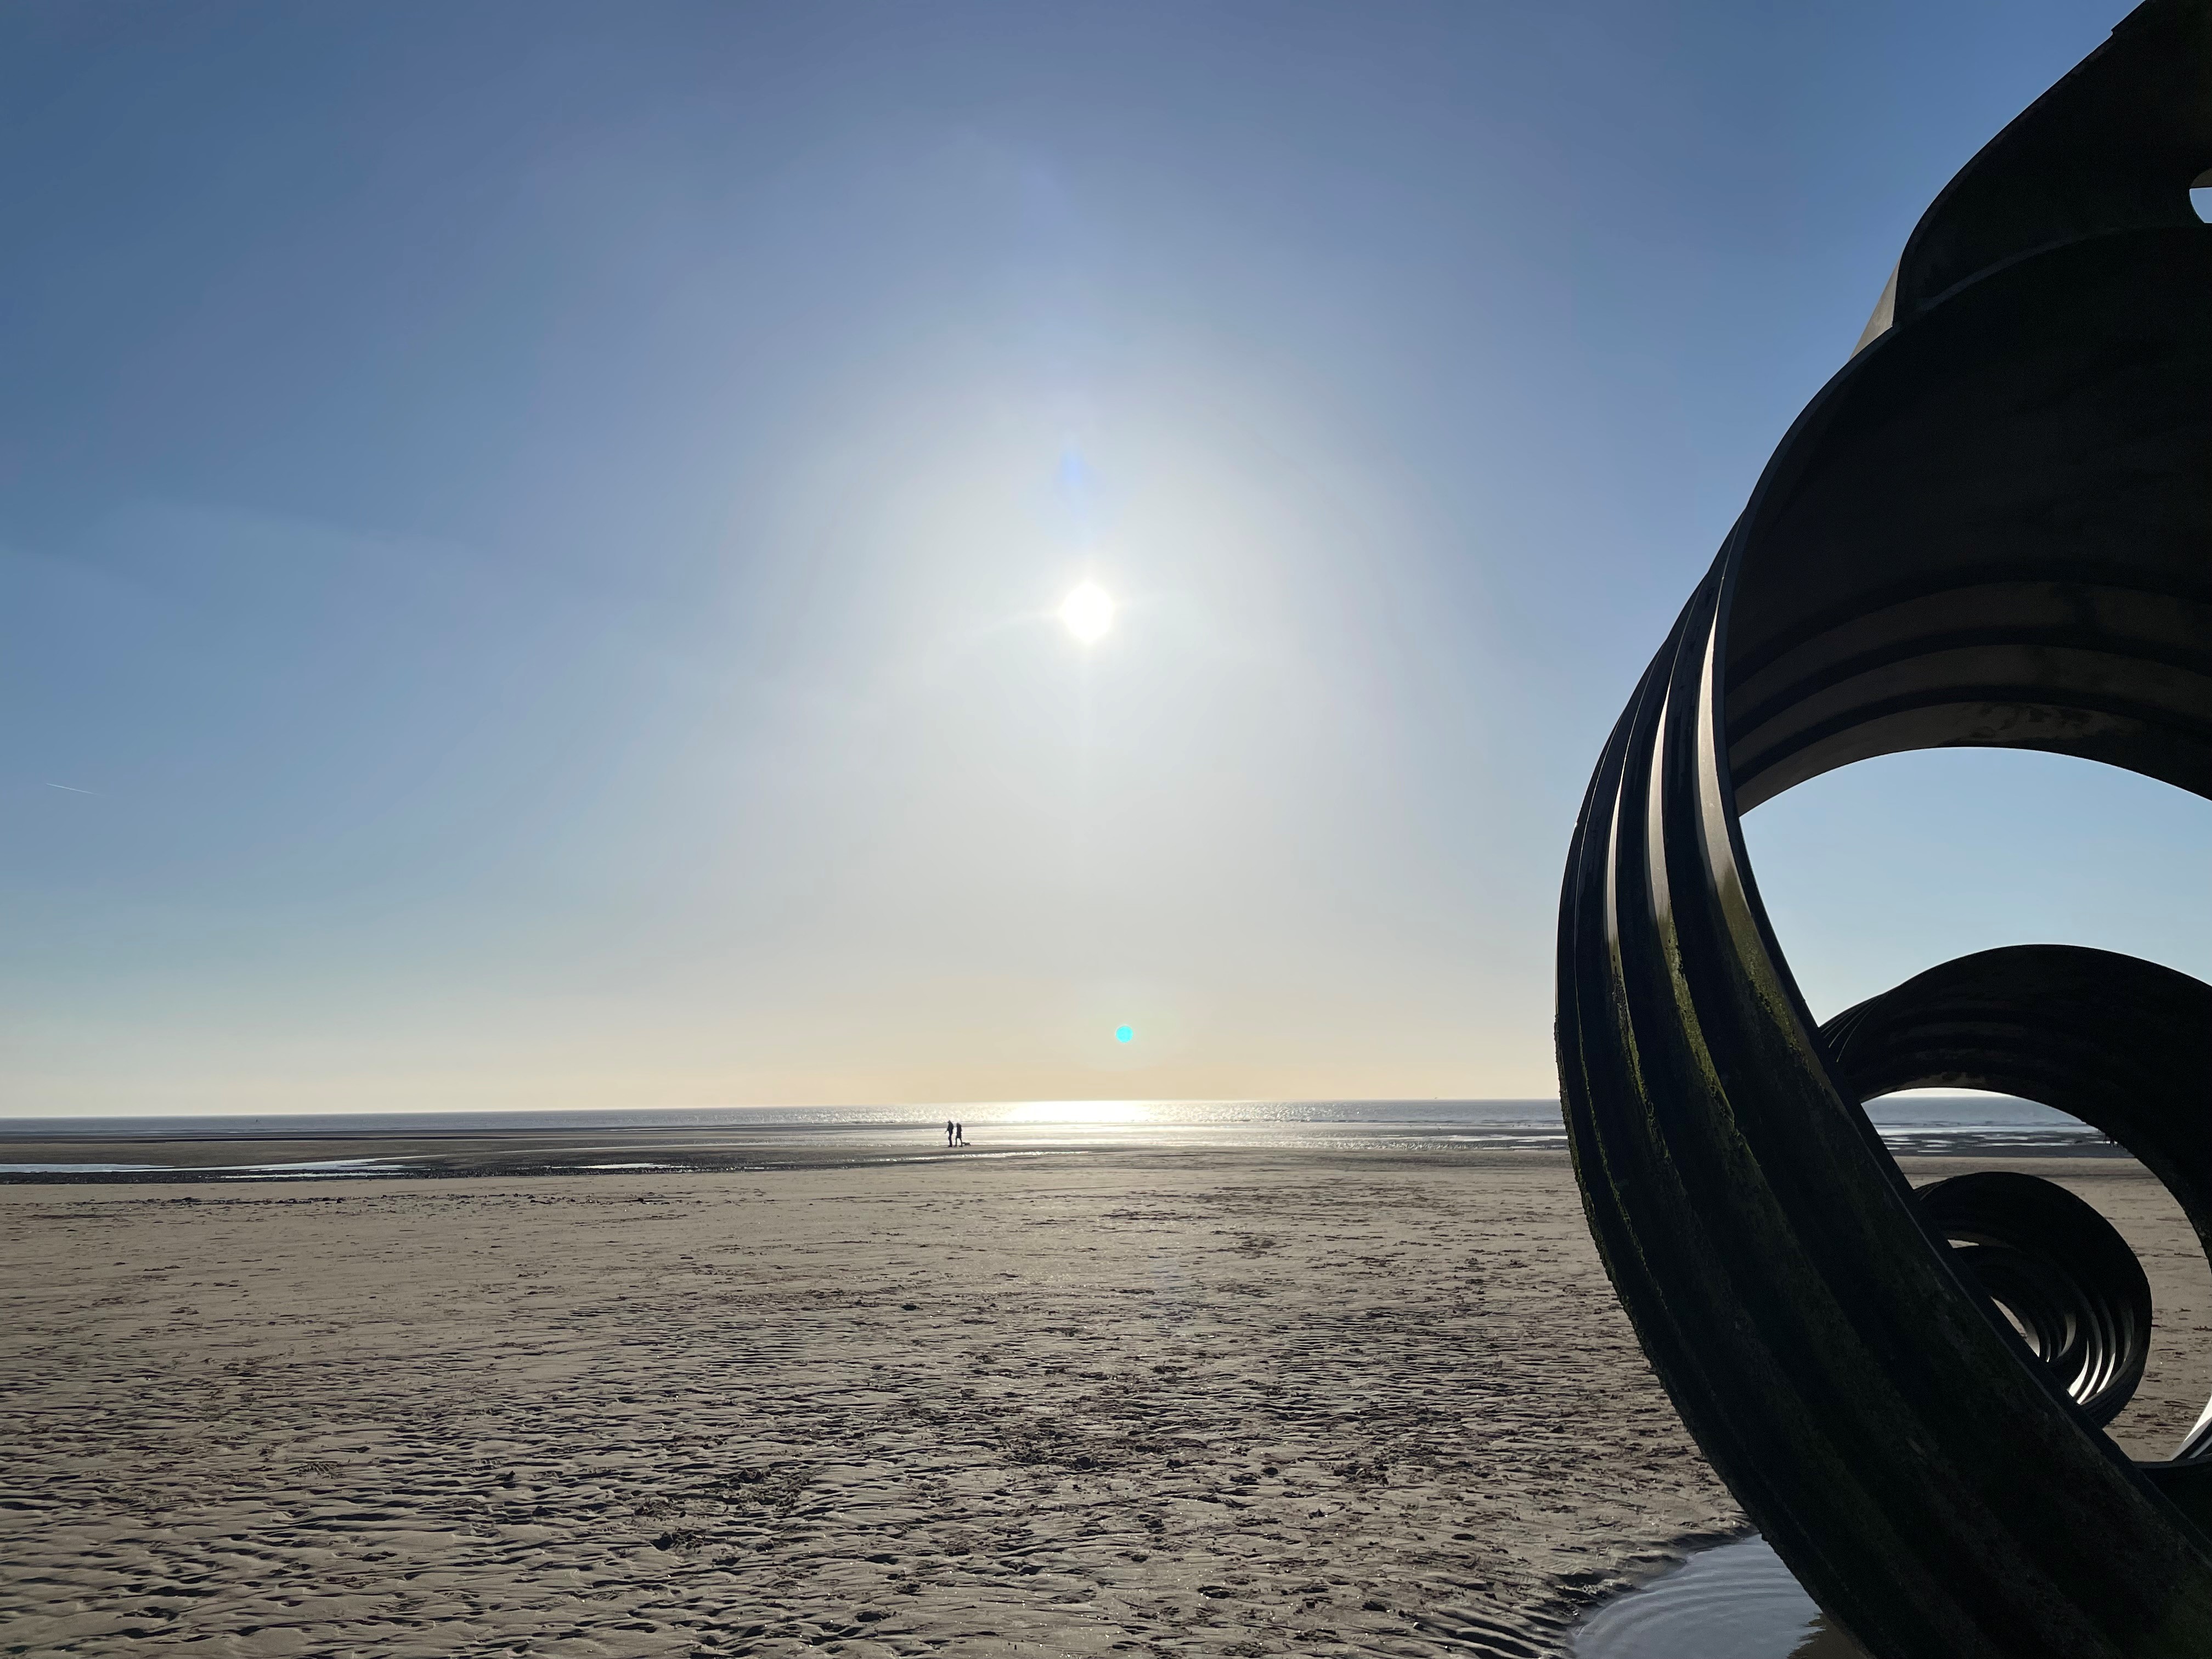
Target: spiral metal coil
{"points": [[1992, 527]]}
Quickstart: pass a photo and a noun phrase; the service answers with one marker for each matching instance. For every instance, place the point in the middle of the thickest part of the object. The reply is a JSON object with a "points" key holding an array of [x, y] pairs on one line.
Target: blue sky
{"points": [[529, 535]]}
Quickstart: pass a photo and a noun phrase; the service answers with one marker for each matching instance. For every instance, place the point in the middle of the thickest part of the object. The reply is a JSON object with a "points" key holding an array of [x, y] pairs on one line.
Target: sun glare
{"points": [[1088, 611]]}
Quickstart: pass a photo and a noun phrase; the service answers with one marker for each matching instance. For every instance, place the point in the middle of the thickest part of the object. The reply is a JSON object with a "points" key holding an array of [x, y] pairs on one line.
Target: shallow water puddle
{"points": [[1735, 1600]]}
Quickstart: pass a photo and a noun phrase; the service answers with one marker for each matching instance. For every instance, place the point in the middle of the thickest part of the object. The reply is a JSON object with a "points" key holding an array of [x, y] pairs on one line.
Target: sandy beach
{"points": [[1226, 1403]]}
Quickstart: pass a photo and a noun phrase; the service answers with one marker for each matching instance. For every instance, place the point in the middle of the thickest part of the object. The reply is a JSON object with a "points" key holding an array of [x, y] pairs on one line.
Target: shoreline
{"points": [[399, 1154]]}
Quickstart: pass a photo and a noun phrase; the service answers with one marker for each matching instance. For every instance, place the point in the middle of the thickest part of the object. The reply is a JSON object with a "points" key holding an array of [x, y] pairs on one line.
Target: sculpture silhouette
{"points": [[1992, 527]]}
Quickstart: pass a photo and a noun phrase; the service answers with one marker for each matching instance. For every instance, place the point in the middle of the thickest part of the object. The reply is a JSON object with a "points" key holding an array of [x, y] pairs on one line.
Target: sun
{"points": [[1088, 612]]}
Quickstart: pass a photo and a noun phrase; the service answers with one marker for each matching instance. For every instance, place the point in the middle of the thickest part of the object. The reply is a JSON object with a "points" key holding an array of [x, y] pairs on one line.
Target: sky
{"points": [[531, 535]]}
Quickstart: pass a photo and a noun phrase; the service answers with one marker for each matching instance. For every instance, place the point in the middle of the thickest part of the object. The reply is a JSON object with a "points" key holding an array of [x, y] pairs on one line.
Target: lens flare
{"points": [[1123, 1033]]}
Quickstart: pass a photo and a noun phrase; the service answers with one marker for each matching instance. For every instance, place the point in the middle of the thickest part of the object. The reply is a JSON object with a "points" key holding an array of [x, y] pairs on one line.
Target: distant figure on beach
{"points": [[960, 1134], [950, 1130]]}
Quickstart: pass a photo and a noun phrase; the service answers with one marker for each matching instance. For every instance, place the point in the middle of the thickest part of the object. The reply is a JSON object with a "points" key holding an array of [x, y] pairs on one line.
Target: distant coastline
{"points": [[445, 1145]]}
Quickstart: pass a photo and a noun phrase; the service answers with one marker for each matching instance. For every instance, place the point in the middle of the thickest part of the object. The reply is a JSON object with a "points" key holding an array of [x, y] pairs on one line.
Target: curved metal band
{"points": [[2059, 1271], [1990, 528], [2124, 1045]]}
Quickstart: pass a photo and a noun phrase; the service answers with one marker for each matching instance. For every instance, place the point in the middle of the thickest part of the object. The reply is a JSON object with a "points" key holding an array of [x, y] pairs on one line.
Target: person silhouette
{"points": [[950, 1130], [960, 1134]]}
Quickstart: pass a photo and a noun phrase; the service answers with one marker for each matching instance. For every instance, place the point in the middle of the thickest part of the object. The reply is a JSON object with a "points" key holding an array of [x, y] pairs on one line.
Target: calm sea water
{"points": [[1232, 1119], [335, 1147]]}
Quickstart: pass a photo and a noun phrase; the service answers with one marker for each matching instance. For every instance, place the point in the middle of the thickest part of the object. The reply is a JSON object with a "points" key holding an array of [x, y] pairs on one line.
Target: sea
{"points": [[303, 1147]]}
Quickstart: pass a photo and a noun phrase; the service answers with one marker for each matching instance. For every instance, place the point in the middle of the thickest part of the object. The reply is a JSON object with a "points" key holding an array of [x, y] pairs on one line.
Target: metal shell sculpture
{"points": [[1992, 527]]}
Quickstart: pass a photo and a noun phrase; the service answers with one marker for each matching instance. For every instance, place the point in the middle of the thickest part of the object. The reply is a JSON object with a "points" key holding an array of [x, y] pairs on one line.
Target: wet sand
{"points": [[1227, 1403]]}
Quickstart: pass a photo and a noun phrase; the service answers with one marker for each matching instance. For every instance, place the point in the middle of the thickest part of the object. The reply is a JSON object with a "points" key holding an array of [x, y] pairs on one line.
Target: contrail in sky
{"points": [[72, 788]]}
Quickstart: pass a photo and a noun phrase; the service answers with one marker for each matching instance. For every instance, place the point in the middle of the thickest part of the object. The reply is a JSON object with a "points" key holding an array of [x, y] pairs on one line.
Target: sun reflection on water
{"points": [[1072, 1113]]}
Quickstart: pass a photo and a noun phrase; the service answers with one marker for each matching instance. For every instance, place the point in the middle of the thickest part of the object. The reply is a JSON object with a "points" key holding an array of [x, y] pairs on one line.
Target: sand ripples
{"points": [[1235, 1407]]}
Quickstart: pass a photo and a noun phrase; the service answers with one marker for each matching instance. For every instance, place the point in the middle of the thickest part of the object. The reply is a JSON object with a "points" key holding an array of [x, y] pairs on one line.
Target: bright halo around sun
{"points": [[1088, 611]]}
